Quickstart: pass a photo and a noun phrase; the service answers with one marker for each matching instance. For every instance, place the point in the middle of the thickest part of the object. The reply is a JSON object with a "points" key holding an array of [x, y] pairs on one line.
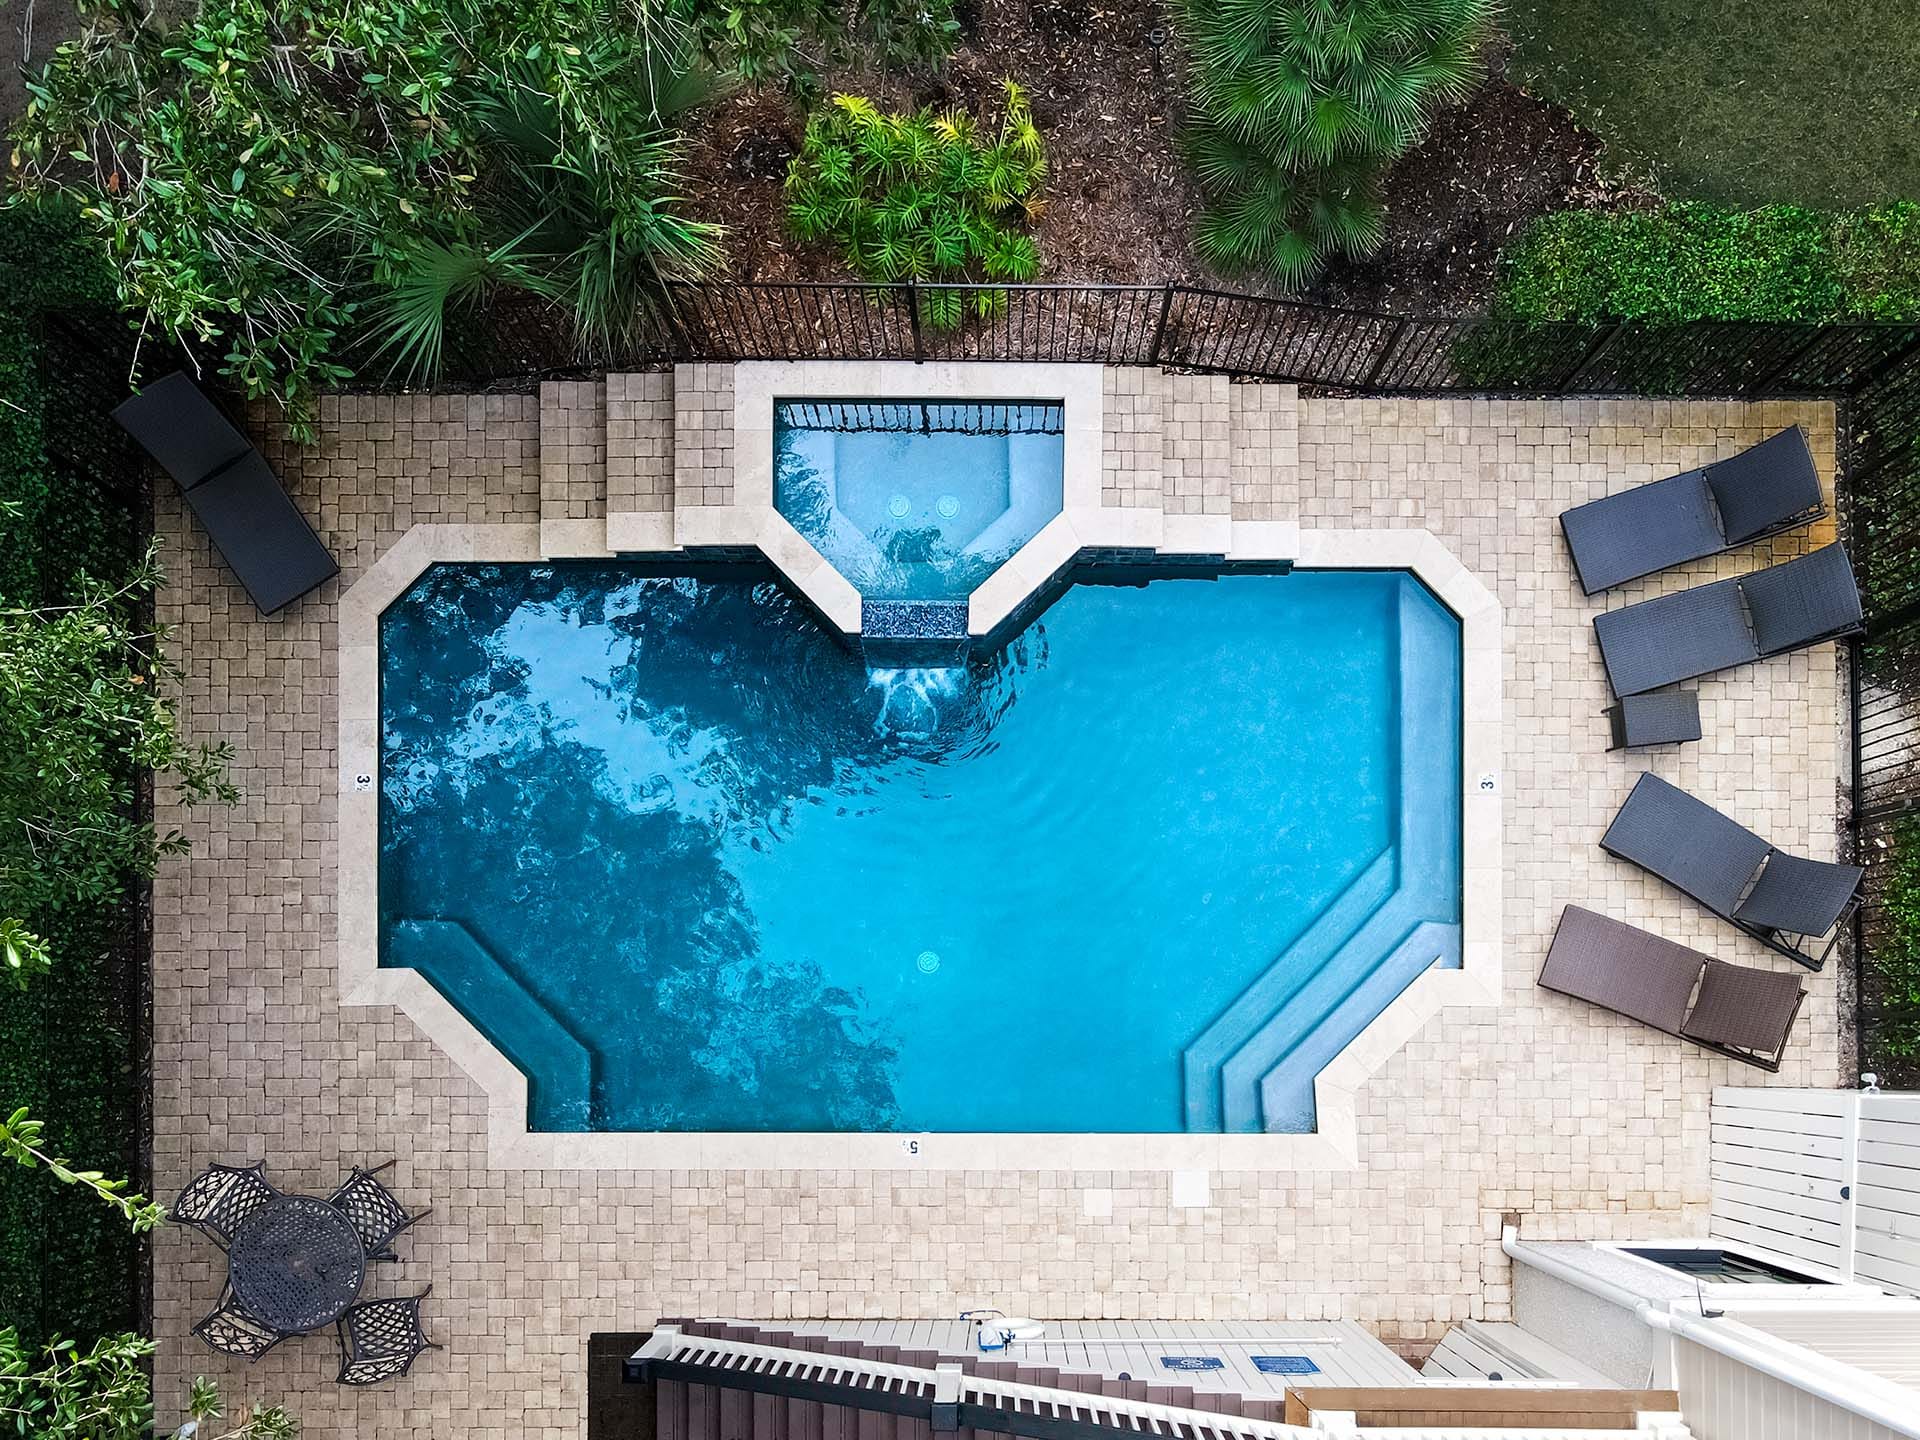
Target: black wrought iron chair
{"points": [[380, 1339], [220, 1197], [375, 1213], [229, 1329]]}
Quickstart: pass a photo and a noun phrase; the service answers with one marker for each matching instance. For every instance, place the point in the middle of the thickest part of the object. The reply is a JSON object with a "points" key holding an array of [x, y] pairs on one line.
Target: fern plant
{"points": [[923, 197], [1298, 107]]}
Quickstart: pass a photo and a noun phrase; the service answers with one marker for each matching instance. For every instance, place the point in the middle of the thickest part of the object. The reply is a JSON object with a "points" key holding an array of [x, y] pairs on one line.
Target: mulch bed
{"points": [[1104, 81]]}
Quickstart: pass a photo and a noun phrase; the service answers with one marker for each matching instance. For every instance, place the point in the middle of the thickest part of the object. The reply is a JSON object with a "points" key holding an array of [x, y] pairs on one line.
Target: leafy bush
{"points": [[1890, 982], [1298, 107], [1701, 262], [266, 172], [791, 40], [73, 504], [102, 1393], [924, 196]]}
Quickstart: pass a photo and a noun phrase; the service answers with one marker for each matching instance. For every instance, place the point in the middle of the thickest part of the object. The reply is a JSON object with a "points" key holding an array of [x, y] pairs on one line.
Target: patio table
{"points": [[296, 1264]]}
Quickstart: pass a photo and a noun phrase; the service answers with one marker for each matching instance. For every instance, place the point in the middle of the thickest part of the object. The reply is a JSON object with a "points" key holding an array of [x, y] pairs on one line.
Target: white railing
{"points": [[948, 1385], [1823, 1181]]}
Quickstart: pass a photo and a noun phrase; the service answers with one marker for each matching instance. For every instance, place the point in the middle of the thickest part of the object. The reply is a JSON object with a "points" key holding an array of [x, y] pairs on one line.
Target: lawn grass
{"points": [[1745, 102]]}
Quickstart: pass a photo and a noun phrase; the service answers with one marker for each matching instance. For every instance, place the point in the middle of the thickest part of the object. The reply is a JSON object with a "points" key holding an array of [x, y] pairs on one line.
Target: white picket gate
{"points": [[1822, 1181]]}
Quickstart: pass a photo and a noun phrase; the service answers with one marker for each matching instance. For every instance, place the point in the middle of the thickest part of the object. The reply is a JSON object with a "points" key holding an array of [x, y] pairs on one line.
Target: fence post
{"points": [[913, 319], [1386, 353], [1160, 330], [1593, 352]]}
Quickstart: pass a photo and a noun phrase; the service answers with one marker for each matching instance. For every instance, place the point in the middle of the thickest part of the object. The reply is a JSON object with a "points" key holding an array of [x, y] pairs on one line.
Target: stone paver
{"points": [[639, 443], [1196, 441], [1584, 1123], [703, 436]]}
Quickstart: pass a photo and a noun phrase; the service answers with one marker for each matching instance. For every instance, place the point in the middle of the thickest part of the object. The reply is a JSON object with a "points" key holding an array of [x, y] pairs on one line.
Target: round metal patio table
{"points": [[297, 1264]]}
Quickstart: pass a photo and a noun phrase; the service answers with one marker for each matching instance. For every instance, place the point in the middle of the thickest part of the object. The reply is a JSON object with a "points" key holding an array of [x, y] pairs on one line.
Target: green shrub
{"points": [[67, 1044], [1298, 107], [922, 196], [1701, 262], [1890, 984]]}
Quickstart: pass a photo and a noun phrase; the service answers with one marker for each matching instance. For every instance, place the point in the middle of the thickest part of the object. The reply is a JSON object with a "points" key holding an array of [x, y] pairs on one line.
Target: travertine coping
{"points": [[1082, 524], [1334, 1146]]}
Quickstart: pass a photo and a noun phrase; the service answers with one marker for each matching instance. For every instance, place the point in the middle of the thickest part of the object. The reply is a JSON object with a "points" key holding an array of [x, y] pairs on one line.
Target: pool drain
{"points": [[898, 507], [928, 962], [948, 507]]}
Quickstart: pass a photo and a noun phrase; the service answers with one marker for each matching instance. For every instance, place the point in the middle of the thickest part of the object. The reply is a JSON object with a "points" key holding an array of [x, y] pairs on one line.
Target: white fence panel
{"points": [[1824, 1181], [1886, 1193]]}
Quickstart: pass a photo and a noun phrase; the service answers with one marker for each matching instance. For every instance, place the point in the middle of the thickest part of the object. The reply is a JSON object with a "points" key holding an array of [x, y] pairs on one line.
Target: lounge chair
{"points": [[1740, 1012], [1732, 871], [1730, 622], [256, 528], [1763, 490]]}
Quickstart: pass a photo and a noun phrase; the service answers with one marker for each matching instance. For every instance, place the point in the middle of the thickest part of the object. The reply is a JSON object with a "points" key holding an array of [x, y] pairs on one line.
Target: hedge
{"points": [[1700, 262], [67, 1045]]}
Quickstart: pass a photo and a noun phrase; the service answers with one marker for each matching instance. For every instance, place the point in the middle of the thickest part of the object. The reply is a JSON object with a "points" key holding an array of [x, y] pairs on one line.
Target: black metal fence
{"points": [[1882, 491], [1187, 327]]}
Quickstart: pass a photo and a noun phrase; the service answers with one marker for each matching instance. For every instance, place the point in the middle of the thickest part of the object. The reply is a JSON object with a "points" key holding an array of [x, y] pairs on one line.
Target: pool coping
{"points": [[1334, 1146]]}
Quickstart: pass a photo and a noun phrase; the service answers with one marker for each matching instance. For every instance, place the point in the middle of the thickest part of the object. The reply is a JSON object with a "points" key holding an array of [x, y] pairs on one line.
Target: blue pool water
{"points": [[694, 867], [917, 499]]}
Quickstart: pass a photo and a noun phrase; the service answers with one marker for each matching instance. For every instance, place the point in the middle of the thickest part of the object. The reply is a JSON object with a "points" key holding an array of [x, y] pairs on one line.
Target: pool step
{"points": [[558, 1067], [1191, 454], [1284, 1094], [1254, 1007], [1316, 996], [640, 448], [573, 468]]}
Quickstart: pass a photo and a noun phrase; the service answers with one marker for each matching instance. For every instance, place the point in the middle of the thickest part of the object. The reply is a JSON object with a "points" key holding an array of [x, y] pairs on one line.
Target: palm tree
{"points": [[1300, 105], [577, 209]]}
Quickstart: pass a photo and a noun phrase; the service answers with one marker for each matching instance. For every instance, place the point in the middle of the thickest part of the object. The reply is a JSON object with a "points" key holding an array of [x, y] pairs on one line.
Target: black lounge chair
{"points": [[1740, 1012], [1730, 622], [256, 528], [1765, 489], [1732, 871]]}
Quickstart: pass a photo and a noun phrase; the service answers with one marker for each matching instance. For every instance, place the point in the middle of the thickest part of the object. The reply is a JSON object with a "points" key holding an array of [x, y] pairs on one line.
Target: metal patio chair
{"points": [[1733, 1010], [380, 1339], [229, 1329], [1733, 872], [1765, 489], [220, 1197], [228, 484], [374, 1211], [1730, 622]]}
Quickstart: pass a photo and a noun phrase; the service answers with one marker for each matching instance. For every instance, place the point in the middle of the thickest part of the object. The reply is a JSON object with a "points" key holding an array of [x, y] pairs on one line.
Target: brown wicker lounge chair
{"points": [[1742, 1013]]}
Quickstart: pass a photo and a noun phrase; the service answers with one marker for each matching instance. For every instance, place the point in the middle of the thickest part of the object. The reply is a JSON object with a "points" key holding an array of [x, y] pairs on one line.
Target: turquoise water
{"points": [[694, 867], [917, 500]]}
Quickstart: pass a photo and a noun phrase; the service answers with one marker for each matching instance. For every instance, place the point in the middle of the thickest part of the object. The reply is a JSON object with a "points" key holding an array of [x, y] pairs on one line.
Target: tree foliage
{"points": [[791, 41], [274, 178], [1298, 107], [924, 196]]}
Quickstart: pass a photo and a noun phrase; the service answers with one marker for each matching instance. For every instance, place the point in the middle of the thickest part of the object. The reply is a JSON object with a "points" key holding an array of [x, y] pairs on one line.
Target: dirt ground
{"points": [[1105, 84]]}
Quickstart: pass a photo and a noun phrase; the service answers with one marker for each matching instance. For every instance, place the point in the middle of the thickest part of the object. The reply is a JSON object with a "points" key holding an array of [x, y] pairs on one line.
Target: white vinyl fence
{"points": [[1823, 1181]]}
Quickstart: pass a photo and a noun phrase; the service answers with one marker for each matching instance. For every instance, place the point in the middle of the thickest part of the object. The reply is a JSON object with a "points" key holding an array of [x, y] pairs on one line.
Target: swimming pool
{"points": [[917, 499], [692, 866]]}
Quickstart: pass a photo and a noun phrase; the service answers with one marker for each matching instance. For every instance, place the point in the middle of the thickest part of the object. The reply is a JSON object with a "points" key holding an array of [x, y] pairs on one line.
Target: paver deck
{"points": [[1582, 1122]]}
